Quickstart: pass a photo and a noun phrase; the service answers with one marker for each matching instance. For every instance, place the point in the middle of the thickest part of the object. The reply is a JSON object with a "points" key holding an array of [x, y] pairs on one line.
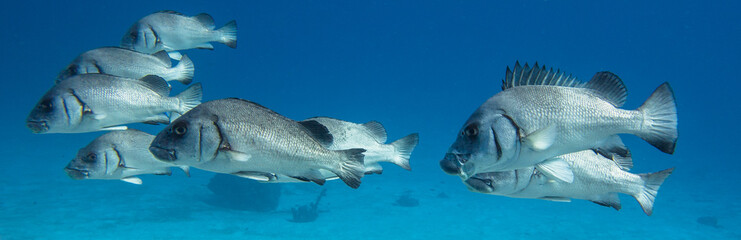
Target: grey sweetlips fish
{"points": [[118, 155], [95, 102], [172, 31], [129, 64], [596, 178], [543, 113], [242, 138]]}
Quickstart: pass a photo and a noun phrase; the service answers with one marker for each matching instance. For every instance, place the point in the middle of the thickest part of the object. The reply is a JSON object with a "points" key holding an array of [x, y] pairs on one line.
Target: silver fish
{"points": [[239, 137], [543, 113], [172, 31], [596, 178], [95, 102], [118, 155], [129, 64], [370, 136]]}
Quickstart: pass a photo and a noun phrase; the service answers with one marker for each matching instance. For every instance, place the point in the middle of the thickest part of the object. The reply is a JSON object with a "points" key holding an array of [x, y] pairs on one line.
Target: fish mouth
{"points": [[479, 185], [77, 174], [37, 126], [163, 154], [453, 162]]}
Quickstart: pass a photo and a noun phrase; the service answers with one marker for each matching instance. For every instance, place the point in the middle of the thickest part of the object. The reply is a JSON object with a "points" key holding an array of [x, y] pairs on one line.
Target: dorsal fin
{"points": [[318, 131], [609, 87], [156, 84], [377, 131], [524, 75], [170, 12], [205, 19], [163, 57]]}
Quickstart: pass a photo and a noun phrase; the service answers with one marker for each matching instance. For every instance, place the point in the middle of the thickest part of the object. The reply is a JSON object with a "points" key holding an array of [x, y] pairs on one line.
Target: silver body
{"points": [[172, 31], [239, 137], [123, 63], [94, 102], [595, 177], [117, 155]]}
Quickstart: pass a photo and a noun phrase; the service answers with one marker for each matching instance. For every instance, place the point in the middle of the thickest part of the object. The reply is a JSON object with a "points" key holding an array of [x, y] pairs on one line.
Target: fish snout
{"points": [[453, 162], [37, 126], [166, 155], [76, 174], [479, 185]]}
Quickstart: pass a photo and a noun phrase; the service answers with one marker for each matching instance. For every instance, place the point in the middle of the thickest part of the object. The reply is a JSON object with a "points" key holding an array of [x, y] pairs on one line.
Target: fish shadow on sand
{"points": [[308, 212], [238, 193], [709, 221], [406, 200]]}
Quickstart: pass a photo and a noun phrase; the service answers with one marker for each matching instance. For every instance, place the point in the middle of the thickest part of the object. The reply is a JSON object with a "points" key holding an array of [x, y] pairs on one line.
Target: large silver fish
{"points": [[118, 155], [542, 113], [95, 102], [172, 31], [596, 178], [129, 64], [239, 137]]}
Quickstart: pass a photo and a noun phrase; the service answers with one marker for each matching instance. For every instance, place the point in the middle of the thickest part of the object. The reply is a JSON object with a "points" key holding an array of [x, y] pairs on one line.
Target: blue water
{"points": [[415, 66]]}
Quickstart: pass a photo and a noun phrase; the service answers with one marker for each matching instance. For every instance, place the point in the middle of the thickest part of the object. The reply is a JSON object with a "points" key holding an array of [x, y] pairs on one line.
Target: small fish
{"points": [[596, 178], [173, 31], [543, 113], [129, 64], [370, 136], [95, 102], [242, 138], [118, 155]]}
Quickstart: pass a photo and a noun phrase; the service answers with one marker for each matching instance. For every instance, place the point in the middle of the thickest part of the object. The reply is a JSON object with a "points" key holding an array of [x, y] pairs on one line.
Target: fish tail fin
{"points": [[190, 98], [651, 184], [404, 148], [660, 119], [229, 34], [185, 70], [352, 167]]}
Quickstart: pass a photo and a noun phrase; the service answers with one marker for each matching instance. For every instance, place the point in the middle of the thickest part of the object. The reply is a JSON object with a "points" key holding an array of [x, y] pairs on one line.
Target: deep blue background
{"points": [[415, 66]]}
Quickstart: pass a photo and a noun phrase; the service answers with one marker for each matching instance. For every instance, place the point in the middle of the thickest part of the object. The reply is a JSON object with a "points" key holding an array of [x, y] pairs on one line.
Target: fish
{"points": [[596, 178], [127, 63], [541, 113], [118, 155], [370, 136], [100, 102], [243, 138], [172, 31]]}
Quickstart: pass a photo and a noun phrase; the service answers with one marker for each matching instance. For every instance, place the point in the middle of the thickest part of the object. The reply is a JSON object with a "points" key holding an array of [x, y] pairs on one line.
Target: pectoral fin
{"points": [[541, 139], [237, 156], [556, 168], [556, 199], [134, 180]]}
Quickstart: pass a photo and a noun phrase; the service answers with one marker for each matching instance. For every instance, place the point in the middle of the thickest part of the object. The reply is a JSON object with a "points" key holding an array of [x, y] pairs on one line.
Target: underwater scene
{"points": [[370, 120]]}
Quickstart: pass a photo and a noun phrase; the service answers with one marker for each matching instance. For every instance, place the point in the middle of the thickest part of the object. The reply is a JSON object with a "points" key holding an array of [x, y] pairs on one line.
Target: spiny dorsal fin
{"points": [[318, 131], [205, 19], [171, 12], [524, 76], [156, 84], [376, 130], [609, 87], [163, 57]]}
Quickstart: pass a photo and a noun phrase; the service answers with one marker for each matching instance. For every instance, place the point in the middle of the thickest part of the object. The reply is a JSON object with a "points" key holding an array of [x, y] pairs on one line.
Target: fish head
{"points": [[57, 111], [485, 142], [95, 161], [69, 71], [499, 183], [190, 140], [141, 38]]}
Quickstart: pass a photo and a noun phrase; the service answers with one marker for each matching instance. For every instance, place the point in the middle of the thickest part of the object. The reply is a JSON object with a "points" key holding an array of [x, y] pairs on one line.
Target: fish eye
{"points": [[471, 131], [179, 129], [488, 182], [45, 105], [90, 158]]}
